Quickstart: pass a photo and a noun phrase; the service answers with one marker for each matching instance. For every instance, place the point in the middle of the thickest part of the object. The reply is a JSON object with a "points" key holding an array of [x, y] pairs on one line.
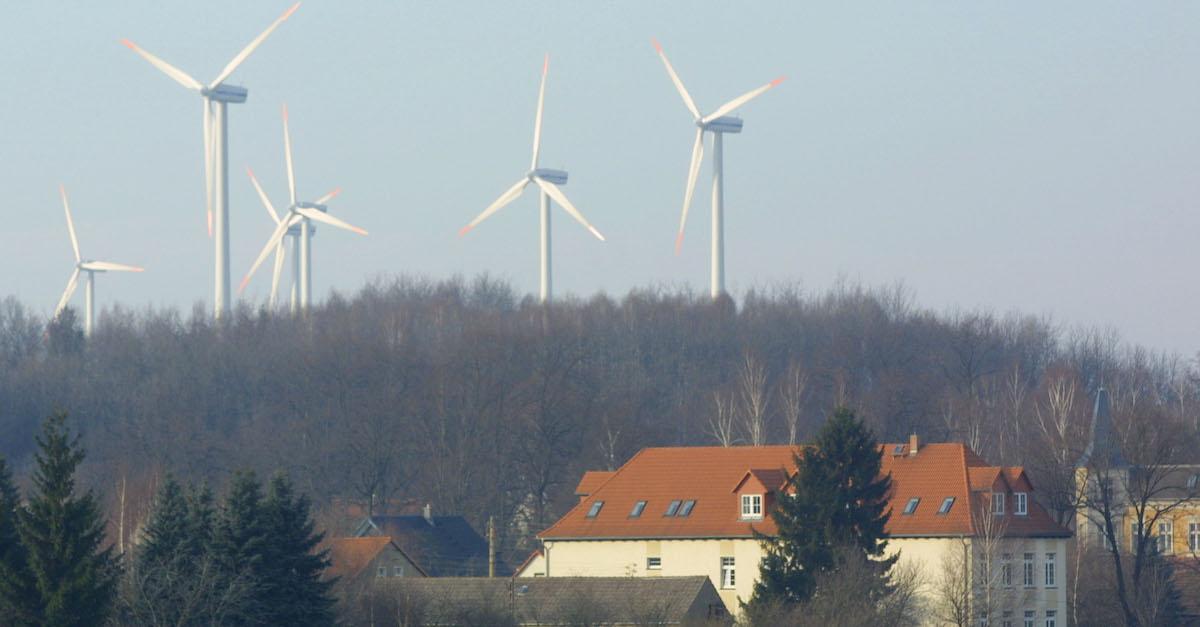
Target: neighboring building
{"points": [[557, 601], [693, 511], [1174, 489], [359, 564], [443, 546]]}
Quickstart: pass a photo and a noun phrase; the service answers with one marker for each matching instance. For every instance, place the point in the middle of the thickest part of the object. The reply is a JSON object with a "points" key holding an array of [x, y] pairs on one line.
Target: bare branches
{"points": [[792, 394], [752, 392], [722, 423]]}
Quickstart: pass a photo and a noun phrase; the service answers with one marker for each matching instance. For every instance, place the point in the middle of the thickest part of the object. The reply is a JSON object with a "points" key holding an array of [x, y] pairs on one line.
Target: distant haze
{"points": [[1007, 156]]}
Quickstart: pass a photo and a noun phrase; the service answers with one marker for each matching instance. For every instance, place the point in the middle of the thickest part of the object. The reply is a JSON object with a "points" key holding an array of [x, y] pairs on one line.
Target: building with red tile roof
{"points": [[695, 510]]}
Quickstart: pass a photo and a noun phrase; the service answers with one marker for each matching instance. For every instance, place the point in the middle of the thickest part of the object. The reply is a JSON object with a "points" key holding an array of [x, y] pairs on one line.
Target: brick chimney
{"points": [[914, 444]]}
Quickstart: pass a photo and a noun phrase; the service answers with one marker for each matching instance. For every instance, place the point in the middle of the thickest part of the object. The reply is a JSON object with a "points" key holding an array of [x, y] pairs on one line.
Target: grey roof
{"points": [[447, 547], [1103, 444], [558, 600]]}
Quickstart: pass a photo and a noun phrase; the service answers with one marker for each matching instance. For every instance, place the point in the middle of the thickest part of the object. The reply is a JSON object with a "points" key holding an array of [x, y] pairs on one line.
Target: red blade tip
{"points": [[678, 242], [249, 171], [128, 44], [546, 64], [463, 231], [657, 46], [289, 12], [778, 81], [285, 112]]}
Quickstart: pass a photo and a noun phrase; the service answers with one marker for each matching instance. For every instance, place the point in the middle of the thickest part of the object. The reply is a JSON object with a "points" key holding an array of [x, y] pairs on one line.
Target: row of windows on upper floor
{"points": [[1020, 504], [1028, 573], [1030, 619], [1164, 539]]}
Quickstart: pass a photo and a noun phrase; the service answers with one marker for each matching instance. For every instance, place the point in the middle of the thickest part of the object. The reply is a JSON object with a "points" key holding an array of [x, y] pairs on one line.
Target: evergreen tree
{"points": [[294, 591], [239, 544], [201, 517], [167, 530], [16, 591], [838, 503], [74, 578]]}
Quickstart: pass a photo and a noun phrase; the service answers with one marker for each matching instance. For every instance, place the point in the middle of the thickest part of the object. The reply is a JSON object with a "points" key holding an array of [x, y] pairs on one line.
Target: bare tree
{"points": [[753, 397], [721, 424], [792, 395]]}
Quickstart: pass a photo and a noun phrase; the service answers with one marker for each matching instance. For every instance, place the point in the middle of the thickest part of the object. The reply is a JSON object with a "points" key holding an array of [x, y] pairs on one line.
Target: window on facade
{"points": [[1051, 618], [381, 571], [595, 510], [1006, 570], [1194, 536], [1135, 534], [912, 505], [1020, 503], [1103, 536], [1049, 568], [998, 503], [653, 563], [397, 571], [728, 573], [1006, 619], [1027, 579], [638, 508], [672, 509], [1030, 616], [1166, 538], [686, 508], [751, 506], [946, 505], [1191, 482]]}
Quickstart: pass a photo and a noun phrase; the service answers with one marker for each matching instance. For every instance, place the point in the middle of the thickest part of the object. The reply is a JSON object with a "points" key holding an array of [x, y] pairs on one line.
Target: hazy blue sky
{"points": [[1039, 157]]}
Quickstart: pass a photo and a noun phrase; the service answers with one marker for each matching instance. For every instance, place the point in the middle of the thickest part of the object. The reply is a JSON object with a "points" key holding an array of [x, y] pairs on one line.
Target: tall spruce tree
{"points": [[839, 503], [75, 579], [294, 591], [16, 585], [238, 548], [167, 530]]}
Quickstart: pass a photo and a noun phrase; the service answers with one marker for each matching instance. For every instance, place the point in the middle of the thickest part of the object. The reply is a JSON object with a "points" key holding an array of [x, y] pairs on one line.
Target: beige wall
{"points": [[628, 558]]}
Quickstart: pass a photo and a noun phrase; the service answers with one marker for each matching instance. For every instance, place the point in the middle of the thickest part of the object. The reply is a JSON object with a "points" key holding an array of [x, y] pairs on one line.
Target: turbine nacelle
{"points": [[558, 177], [225, 93], [723, 124]]}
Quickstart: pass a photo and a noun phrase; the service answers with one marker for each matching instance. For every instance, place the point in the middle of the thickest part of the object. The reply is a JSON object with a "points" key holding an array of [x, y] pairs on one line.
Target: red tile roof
{"points": [[591, 480], [710, 475], [348, 556]]}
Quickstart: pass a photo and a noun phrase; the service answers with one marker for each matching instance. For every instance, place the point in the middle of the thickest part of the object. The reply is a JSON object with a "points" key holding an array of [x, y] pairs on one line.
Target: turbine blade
{"points": [[108, 266], [320, 216], [328, 197], [245, 53], [693, 172], [263, 196], [72, 283], [208, 159], [537, 121], [683, 93], [175, 73], [728, 107], [62, 190], [280, 251], [272, 242], [287, 153], [554, 192], [497, 205]]}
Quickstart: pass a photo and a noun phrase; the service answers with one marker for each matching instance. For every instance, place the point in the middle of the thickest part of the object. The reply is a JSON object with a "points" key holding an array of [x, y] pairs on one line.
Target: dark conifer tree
{"points": [[201, 518], [238, 547], [75, 579], [16, 590], [167, 530], [839, 503], [295, 592]]}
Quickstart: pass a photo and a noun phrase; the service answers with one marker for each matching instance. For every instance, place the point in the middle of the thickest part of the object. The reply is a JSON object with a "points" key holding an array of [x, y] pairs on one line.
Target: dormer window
{"points": [[912, 505], [997, 503], [595, 510], [1020, 503], [752, 506], [638, 508], [672, 508], [946, 505]]}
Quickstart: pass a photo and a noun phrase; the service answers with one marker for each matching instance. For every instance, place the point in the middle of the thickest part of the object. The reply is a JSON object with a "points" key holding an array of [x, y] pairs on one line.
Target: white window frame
{"points": [[398, 570], [1021, 503], [1165, 540], [1049, 574], [1030, 616], [1006, 570], [997, 503], [728, 573], [381, 571], [1194, 536], [1135, 534], [1006, 619], [1051, 618], [1028, 574], [654, 562], [752, 506]]}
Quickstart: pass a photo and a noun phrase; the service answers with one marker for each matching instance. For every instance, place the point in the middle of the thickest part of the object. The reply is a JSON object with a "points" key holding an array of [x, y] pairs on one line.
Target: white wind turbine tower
{"points": [[85, 265], [548, 180], [297, 223], [718, 123], [216, 96]]}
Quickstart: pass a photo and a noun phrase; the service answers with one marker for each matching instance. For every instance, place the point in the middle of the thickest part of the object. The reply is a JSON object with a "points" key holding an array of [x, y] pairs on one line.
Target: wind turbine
{"points": [[718, 123], [548, 180], [216, 96], [85, 265], [297, 222]]}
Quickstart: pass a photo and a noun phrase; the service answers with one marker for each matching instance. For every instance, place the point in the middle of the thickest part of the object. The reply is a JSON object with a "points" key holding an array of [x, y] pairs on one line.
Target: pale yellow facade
{"points": [[671, 557]]}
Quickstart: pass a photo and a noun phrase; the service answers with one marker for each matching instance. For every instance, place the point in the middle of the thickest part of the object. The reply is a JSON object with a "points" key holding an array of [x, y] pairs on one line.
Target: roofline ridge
{"points": [[585, 499]]}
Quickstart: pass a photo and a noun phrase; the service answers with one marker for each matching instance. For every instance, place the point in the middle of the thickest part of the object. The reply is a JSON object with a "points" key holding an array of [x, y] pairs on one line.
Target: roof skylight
{"points": [[637, 509], [672, 508], [912, 505], [946, 505], [595, 510], [686, 508]]}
